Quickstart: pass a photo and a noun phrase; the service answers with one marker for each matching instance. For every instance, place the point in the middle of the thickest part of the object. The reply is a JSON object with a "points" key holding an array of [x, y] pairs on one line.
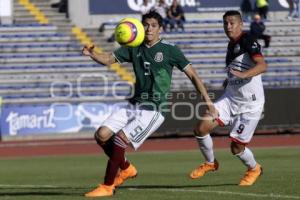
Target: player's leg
{"points": [[202, 134], [241, 134], [254, 169], [135, 133], [106, 138], [118, 160], [117, 156]]}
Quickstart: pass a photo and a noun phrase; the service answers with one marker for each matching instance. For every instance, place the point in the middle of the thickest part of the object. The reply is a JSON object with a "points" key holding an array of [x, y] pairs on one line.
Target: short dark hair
{"points": [[155, 15], [232, 13]]}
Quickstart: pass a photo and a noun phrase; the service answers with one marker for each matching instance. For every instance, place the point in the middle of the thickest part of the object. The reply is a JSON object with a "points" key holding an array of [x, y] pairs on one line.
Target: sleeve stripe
{"points": [[116, 58], [189, 64]]}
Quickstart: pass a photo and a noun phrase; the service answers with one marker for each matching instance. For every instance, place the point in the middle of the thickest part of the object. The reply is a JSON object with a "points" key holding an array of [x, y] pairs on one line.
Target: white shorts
{"points": [[242, 125], [137, 124]]}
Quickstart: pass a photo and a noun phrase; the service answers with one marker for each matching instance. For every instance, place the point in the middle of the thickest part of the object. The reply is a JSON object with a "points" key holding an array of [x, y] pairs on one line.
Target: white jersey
{"points": [[245, 94]]}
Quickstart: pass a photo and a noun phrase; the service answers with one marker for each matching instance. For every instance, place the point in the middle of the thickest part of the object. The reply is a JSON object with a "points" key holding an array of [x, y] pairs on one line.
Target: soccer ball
{"points": [[129, 32]]}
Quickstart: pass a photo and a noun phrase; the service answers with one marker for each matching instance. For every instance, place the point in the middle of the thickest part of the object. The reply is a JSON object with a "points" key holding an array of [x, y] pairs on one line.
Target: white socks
{"points": [[247, 158], [206, 147]]}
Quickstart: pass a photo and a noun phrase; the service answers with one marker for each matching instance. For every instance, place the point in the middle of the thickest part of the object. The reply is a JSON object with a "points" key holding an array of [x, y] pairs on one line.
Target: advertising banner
{"points": [[98, 7], [54, 119], [186, 109]]}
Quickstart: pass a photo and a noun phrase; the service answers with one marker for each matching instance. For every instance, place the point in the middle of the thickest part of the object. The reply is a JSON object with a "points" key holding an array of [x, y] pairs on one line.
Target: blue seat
{"points": [[61, 85], [197, 32], [204, 51], [70, 54], [200, 42], [32, 35], [5, 46], [25, 25], [206, 21]]}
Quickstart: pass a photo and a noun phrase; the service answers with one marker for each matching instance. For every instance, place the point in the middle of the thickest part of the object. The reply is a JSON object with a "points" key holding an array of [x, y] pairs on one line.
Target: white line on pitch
{"points": [[271, 195]]}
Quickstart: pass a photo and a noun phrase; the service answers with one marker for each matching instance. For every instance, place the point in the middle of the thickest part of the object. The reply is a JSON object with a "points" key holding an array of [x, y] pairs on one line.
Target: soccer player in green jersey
{"points": [[152, 62]]}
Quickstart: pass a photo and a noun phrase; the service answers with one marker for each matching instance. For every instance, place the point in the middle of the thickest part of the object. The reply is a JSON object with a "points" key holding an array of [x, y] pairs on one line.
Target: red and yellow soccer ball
{"points": [[129, 32]]}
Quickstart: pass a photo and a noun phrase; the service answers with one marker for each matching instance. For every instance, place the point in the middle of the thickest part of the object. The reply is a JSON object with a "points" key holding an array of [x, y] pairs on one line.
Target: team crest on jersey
{"points": [[237, 48], [159, 57]]}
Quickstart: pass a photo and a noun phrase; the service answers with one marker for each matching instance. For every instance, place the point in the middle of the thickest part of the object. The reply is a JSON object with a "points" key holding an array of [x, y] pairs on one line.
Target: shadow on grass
{"points": [[31, 193], [79, 191], [61, 191], [173, 186]]}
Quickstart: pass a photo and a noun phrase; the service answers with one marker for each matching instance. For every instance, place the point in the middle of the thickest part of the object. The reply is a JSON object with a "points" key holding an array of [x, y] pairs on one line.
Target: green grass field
{"points": [[162, 175]]}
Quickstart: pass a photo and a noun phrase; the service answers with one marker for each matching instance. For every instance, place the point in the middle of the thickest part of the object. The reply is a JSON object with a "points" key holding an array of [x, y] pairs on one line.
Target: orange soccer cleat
{"points": [[101, 191], [202, 169], [251, 176], [125, 174]]}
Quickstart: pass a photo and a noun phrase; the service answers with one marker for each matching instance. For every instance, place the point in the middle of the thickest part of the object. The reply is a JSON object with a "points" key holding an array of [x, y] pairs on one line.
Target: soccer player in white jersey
{"points": [[240, 106]]}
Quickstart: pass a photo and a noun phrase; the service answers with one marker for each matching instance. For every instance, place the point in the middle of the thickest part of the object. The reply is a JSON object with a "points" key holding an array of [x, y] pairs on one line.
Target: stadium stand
{"points": [[204, 43], [41, 63], [40, 53]]}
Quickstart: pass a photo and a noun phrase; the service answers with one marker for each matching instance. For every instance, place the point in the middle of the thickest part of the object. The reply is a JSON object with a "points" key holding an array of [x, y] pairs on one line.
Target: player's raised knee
{"points": [[102, 135], [200, 129]]}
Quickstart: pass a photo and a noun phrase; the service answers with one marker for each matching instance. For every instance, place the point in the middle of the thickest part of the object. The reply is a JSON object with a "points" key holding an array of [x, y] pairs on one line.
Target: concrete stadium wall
{"points": [[80, 16]]}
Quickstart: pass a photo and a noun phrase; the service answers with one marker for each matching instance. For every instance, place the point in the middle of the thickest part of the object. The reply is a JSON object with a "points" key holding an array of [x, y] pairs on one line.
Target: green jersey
{"points": [[153, 69]]}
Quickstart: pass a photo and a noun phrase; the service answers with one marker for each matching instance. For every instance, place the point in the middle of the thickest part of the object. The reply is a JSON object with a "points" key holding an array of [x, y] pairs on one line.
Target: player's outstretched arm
{"points": [[102, 58], [259, 68], [198, 84]]}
